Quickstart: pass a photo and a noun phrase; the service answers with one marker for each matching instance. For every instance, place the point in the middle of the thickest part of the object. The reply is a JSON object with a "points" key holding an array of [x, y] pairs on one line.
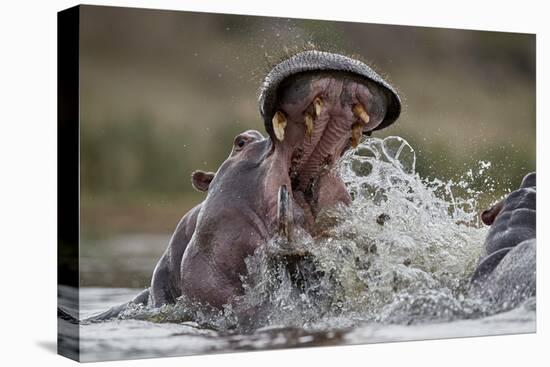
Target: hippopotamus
{"points": [[506, 272], [314, 105]]}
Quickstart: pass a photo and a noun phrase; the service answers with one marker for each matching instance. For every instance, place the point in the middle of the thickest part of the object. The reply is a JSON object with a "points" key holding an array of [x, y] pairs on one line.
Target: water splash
{"points": [[400, 253]]}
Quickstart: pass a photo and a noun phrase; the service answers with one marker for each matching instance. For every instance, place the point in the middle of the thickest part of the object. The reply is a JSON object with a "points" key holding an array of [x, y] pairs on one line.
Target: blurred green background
{"points": [[163, 93]]}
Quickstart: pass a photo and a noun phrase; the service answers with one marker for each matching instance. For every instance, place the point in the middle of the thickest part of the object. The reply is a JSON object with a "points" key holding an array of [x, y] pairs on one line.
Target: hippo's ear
{"points": [[201, 180], [488, 216], [530, 180]]}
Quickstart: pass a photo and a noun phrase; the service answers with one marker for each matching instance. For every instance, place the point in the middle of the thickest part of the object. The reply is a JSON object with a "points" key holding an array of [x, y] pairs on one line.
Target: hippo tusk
{"points": [[356, 133], [359, 111], [279, 125], [357, 128], [318, 103], [284, 213]]}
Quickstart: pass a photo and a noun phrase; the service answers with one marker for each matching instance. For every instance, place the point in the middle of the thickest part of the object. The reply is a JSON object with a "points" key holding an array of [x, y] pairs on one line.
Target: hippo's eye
{"points": [[239, 143]]}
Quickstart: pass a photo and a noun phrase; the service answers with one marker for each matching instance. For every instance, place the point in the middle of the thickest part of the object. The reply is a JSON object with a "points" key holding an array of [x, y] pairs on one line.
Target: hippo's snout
{"points": [[315, 62]]}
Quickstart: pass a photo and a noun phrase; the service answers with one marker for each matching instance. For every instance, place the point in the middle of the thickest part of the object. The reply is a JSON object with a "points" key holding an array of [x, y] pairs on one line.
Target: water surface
{"points": [[393, 266]]}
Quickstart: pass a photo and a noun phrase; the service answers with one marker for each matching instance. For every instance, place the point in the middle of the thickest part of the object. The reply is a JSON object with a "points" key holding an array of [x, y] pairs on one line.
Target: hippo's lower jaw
{"points": [[319, 116]]}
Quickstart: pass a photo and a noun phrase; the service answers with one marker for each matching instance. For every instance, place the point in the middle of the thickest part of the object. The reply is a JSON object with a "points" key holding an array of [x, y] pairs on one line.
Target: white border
{"points": [[28, 180]]}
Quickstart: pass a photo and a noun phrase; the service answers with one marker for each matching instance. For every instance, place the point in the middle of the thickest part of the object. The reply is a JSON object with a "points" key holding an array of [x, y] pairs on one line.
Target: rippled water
{"points": [[392, 266]]}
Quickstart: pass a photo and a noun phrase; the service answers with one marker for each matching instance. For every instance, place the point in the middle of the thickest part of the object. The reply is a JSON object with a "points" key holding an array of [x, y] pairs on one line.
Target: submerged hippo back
{"points": [[507, 273], [516, 221]]}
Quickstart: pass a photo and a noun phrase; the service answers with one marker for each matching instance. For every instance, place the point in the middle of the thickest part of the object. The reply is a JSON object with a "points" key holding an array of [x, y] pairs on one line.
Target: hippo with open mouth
{"points": [[315, 105]]}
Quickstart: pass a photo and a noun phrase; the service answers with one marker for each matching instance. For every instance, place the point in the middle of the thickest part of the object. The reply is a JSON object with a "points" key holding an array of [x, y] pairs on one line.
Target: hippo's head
{"points": [[315, 105]]}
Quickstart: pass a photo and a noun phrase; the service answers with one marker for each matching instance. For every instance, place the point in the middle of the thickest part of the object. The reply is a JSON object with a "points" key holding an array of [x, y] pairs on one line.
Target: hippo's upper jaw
{"points": [[315, 106]]}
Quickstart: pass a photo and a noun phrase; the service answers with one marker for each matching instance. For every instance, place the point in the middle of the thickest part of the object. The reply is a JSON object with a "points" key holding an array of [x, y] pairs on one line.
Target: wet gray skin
{"points": [[506, 273]]}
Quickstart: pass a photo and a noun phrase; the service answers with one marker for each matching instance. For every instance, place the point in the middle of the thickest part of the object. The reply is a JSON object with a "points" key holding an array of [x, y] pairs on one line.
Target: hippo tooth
{"points": [[359, 111], [284, 212], [279, 125], [318, 103], [309, 125], [356, 132]]}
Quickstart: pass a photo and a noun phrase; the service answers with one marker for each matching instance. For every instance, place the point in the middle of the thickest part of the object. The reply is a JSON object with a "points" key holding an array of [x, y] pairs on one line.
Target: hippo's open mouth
{"points": [[315, 106]]}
